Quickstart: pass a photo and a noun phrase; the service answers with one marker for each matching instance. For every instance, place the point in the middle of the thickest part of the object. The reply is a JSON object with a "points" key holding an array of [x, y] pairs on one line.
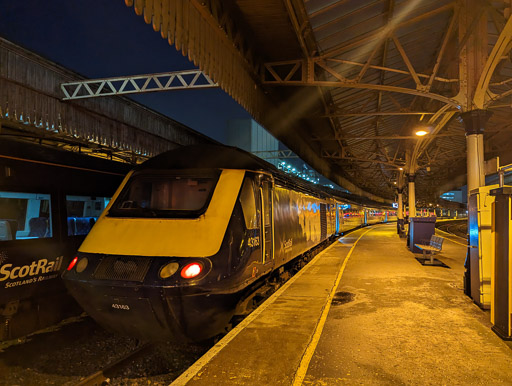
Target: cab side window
{"points": [[248, 201], [25, 216]]}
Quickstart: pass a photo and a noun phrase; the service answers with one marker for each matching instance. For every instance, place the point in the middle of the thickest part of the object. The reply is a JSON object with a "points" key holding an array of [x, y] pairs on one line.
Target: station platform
{"points": [[363, 311]]}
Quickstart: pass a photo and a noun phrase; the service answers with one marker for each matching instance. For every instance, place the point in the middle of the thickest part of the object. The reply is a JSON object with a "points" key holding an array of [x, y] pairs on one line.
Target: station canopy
{"points": [[345, 84]]}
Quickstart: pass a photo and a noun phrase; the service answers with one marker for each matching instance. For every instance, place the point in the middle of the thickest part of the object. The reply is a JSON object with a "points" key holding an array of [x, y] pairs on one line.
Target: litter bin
{"points": [[421, 230]]}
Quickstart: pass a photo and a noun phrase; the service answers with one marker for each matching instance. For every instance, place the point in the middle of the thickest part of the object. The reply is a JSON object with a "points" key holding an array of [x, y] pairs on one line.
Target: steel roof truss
{"points": [[311, 69], [177, 80]]}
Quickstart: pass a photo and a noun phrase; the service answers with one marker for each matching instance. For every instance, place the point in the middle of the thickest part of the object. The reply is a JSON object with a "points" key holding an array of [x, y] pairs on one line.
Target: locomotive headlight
{"points": [[82, 264], [168, 270]]}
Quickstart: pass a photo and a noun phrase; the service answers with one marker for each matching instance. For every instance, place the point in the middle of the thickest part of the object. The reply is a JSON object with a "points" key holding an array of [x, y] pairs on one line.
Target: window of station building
{"points": [[83, 212], [248, 201], [24, 216]]}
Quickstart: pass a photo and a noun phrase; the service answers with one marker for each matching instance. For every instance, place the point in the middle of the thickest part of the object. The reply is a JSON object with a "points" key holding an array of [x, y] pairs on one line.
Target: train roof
{"points": [[206, 156]]}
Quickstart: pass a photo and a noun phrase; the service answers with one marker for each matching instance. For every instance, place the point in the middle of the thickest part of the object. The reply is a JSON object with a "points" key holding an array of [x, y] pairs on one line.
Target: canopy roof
{"points": [[345, 83]]}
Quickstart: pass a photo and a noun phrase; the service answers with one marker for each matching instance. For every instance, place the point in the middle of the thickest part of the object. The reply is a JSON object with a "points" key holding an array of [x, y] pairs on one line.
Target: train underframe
{"points": [[178, 314]]}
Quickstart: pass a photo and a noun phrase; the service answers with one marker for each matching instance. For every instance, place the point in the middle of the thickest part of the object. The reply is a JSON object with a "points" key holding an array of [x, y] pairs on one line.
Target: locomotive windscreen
{"points": [[164, 194]]}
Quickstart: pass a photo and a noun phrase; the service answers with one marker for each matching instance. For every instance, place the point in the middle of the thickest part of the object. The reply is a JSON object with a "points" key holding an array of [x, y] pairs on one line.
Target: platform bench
{"points": [[434, 246]]}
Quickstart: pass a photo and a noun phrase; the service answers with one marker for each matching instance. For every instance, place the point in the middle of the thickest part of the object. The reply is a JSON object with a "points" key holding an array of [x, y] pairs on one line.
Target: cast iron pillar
{"points": [[474, 122], [412, 195], [400, 212]]}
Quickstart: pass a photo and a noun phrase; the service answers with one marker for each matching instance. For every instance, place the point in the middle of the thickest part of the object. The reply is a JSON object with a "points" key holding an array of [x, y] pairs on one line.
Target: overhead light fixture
{"points": [[423, 130]]}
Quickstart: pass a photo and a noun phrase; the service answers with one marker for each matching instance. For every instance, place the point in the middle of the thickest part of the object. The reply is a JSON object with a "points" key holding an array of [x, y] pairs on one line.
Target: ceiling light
{"points": [[421, 133]]}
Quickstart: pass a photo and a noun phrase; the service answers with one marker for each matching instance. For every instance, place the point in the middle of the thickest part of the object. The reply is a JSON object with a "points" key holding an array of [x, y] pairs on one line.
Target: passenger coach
{"points": [[49, 200]]}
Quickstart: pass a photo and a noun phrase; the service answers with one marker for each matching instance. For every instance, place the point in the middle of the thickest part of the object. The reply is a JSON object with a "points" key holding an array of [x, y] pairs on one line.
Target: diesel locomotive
{"points": [[49, 199], [190, 232]]}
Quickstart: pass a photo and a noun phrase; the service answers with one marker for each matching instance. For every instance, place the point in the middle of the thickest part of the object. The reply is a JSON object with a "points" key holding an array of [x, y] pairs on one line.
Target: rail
{"points": [[104, 374]]}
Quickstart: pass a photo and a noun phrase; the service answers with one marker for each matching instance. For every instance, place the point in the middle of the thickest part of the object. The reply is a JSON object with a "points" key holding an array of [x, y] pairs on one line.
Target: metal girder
{"points": [[408, 63], [177, 80], [339, 155], [376, 34], [275, 154], [442, 49], [303, 72], [271, 66], [482, 94], [390, 69], [393, 137], [336, 114]]}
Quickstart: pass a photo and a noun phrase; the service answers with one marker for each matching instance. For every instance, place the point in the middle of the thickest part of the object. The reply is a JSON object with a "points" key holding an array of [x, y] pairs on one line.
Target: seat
{"points": [[14, 228], [5, 230], [71, 226], [434, 246], [84, 225], [38, 227]]}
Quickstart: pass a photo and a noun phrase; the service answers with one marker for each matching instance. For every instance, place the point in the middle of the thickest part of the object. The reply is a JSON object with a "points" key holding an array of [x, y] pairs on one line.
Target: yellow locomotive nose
{"points": [[132, 226]]}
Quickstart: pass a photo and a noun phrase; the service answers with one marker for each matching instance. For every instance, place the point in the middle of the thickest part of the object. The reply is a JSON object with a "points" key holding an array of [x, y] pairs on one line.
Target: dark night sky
{"points": [[104, 38]]}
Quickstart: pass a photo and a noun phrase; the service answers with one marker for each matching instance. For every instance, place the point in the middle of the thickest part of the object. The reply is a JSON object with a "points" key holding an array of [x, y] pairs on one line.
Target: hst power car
{"points": [[190, 233]]}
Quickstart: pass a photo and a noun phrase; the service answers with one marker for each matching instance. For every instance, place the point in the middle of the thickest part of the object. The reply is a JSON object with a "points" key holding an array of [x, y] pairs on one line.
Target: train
{"points": [[192, 232], [49, 200]]}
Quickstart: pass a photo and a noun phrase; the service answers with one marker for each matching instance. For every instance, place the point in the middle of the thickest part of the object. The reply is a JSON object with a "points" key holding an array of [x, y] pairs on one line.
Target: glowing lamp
{"points": [[73, 263], [421, 133], [191, 270]]}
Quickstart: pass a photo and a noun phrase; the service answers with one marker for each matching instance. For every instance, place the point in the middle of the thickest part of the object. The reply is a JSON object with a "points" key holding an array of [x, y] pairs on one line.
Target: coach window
{"points": [[82, 213], [24, 216], [247, 199]]}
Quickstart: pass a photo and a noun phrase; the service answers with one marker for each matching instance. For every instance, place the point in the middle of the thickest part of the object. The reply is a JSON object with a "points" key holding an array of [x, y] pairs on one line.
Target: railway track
{"points": [[456, 228], [110, 370], [84, 353]]}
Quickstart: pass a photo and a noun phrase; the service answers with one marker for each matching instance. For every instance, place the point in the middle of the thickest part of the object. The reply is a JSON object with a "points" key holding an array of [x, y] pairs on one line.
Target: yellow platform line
{"points": [[310, 350], [453, 241], [196, 368]]}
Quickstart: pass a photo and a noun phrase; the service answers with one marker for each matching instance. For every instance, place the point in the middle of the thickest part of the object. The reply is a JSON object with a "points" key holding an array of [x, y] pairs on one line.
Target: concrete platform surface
{"points": [[389, 321]]}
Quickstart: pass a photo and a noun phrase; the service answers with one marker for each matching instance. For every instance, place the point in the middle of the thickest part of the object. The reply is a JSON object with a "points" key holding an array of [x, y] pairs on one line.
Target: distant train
{"points": [[191, 233], [49, 200]]}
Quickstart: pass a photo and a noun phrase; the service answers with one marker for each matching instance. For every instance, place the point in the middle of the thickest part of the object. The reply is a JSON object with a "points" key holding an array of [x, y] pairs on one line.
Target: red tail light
{"points": [[191, 270], [73, 263]]}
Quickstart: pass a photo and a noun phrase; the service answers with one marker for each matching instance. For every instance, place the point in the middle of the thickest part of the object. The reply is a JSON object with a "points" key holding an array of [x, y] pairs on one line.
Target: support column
{"points": [[472, 60], [474, 122], [400, 213], [412, 195]]}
